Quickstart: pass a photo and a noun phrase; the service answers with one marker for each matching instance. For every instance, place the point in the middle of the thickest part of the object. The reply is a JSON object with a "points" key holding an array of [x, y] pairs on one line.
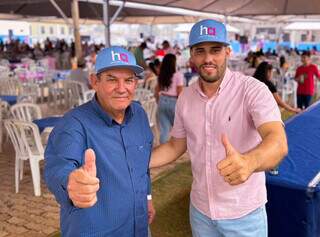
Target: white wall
{"points": [[18, 27]]}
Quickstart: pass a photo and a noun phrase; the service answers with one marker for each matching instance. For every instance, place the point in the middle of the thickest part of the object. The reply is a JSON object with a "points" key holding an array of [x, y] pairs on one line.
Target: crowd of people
{"points": [[60, 50]]}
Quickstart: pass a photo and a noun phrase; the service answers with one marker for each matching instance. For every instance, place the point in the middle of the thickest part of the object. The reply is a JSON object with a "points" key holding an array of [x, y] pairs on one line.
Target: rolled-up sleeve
{"points": [[262, 105]]}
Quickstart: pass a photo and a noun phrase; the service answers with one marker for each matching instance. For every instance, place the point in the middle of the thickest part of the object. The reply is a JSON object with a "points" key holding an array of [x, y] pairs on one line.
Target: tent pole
{"points": [[106, 22], [76, 28], [116, 14], [65, 18]]}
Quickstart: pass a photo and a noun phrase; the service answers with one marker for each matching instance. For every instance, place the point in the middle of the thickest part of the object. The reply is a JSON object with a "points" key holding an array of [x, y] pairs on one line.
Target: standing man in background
{"points": [[305, 78]]}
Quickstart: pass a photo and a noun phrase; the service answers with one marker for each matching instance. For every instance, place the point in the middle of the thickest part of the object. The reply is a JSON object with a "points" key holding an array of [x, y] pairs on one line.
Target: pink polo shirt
{"points": [[240, 106]]}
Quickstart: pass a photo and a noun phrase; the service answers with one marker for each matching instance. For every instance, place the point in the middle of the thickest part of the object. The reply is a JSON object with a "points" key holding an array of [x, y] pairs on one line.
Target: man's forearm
{"points": [[167, 152], [268, 153]]}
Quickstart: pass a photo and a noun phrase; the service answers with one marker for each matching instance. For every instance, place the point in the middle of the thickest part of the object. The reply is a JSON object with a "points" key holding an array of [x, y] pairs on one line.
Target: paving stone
{"points": [[49, 230], [3, 233], [34, 226], [17, 221]]}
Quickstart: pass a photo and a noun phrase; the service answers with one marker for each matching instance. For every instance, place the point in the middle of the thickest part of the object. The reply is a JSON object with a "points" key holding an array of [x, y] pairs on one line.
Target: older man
{"points": [[97, 157], [232, 128]]}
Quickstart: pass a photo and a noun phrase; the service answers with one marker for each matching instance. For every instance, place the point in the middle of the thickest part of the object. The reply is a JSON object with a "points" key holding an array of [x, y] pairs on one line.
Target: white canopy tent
{"points": [[244, 8], [187, 27], [303, 26], [131, 12]]}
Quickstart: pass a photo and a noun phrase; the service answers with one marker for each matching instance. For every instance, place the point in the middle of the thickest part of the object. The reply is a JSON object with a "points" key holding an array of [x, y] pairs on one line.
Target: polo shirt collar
{"points": [[226, 79], [106, 117]]}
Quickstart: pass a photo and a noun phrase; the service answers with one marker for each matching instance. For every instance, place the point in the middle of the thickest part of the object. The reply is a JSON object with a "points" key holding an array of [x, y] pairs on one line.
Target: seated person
{"points": [[264, 74]]}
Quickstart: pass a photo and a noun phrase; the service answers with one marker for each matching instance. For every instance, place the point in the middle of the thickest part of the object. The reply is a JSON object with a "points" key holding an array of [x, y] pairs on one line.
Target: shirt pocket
{"points": [[139, 156]]}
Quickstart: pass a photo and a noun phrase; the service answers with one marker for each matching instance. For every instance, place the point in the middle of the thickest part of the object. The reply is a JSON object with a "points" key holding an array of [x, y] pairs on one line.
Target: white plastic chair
{"points": [[4, 62], [26, 140], [29, 93], [4, 70], [143, 94], [26, 112], [150, 106], [10, 87], [55, 94], [4, 111], [73, 93], [151, 84], [88, 95], [289, 92]]}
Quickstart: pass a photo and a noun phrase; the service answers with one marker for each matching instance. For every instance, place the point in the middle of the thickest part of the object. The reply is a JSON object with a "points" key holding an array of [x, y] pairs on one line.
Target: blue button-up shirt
{"points": [[122, 160]]}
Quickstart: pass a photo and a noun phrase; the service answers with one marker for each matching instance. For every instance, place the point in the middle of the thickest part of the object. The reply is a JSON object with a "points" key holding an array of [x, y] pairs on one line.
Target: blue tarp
{"points": [[269, 46], [293, 209], [307, 46], [47, 122], [11, 99], [235, 45]]}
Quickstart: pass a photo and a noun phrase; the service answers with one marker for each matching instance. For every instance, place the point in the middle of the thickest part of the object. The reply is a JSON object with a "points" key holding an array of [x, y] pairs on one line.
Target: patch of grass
{"points": [[286, 115], [56, 234], [171, 199]]}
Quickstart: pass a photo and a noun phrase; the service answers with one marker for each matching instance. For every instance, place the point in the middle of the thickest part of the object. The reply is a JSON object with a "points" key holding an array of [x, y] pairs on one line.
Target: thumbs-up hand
{"points": [[90, 162], [235, 168], [83, 183]]}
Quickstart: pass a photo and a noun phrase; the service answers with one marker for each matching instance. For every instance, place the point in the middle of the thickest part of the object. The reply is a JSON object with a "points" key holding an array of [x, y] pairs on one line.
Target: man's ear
{"points": [[228, 51], [190, 59], [93, 79], [136, 83]]}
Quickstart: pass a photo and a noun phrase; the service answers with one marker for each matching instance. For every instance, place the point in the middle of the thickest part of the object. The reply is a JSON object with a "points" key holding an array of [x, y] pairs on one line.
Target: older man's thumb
{"points": [[90, 162]]}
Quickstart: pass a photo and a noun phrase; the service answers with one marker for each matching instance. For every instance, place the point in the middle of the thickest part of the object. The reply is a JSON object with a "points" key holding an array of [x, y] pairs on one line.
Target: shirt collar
{"points": [[226, 79], [107, 118]]}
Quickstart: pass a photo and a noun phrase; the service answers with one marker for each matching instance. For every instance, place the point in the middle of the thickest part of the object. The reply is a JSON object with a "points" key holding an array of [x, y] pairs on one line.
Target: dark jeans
{"points": [[188, 76], [303, 101]]}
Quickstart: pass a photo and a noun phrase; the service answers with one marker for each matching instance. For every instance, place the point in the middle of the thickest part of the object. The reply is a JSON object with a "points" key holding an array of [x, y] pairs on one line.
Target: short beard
{"points": [[220, 74]]}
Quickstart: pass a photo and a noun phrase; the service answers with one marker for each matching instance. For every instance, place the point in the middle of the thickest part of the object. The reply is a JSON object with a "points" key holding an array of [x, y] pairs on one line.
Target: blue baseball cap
{"points": [[116, 57], [208, 31]]}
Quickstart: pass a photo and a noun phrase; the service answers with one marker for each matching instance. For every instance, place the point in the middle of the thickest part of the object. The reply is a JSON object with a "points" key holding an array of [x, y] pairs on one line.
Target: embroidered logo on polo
{"points": [[204, 30], [119, 57]]}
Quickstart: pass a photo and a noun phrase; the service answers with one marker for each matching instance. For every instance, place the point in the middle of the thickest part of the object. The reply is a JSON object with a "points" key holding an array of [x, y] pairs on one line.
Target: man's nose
{"points": [[208, 58], [121, 86]]}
